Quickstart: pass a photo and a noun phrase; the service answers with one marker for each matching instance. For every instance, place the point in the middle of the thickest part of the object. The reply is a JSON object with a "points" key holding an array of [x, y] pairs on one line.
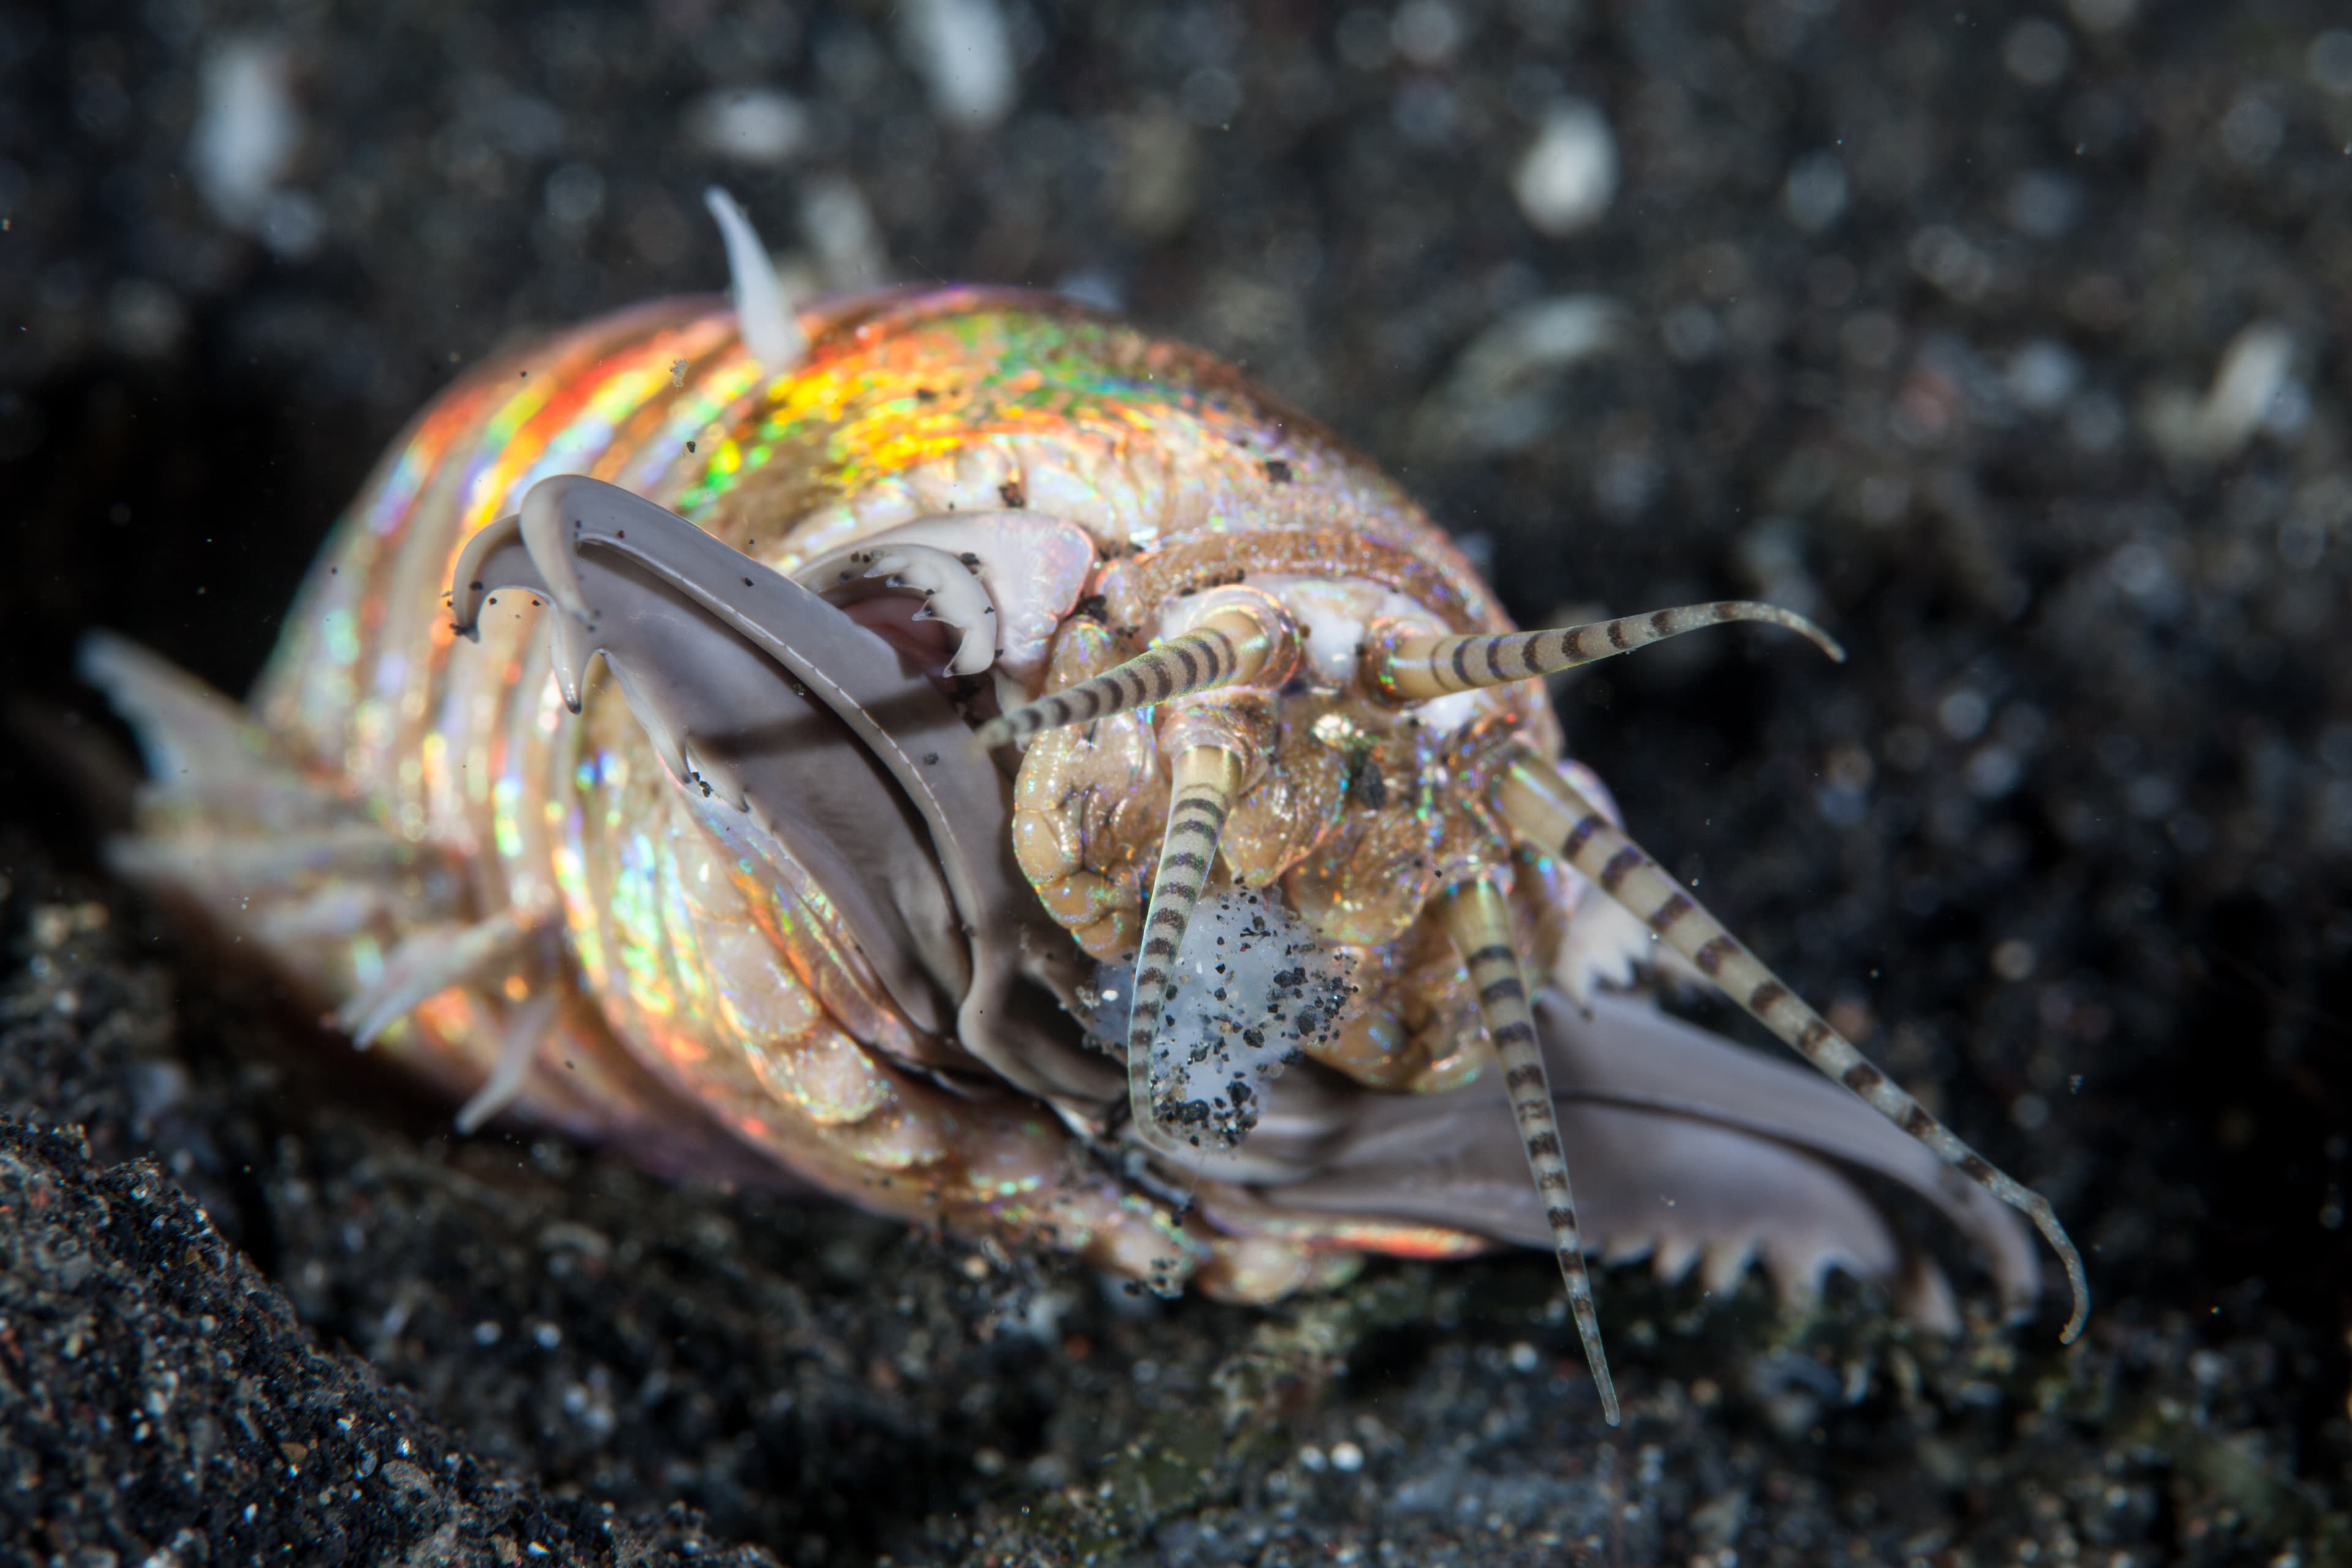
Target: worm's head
{"points": [[1320, 752]]}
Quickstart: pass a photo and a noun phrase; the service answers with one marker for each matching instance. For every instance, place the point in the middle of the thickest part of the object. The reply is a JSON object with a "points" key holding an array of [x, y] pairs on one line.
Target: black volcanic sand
{"points": [[2068, 840]]}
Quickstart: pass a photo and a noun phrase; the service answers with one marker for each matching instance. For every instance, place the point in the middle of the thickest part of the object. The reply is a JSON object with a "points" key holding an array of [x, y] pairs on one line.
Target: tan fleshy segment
{"points": [[1371, 1049], [898, 1138], [1112, 936], [1294, 806], [1456, 1068], [1550, 811], [825, 1074], [1469, 842], [758, 1001], [1025, 1188], [1254, 1269], [1240, 720], [777, 901], [1077, 899], [1366, 881], [1370, 1045], [1412, 1025], [1116, 1236], [749, 1000], [1089, 805], [1427, 987], [1439, 1010]]}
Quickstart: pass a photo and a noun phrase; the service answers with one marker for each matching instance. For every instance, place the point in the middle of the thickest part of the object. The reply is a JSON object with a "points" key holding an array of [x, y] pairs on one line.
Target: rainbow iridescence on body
{"points": [[733, 995], [1019, 743]]}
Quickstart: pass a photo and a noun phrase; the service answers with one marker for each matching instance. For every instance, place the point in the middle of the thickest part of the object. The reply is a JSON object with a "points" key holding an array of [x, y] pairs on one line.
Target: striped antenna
{"points": [[1230, 645], [1551, 813], [1479, 923], [1413, 669], [1204, 781]]}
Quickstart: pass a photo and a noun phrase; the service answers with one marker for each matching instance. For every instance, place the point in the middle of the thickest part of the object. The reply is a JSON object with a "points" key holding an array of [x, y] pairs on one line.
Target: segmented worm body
{"points": [[1006, 771]]}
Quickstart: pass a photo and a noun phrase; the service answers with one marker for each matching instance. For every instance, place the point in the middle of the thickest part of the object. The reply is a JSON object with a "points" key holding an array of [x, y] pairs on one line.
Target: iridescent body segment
{"points": [[737, 994], [1262, 755]]}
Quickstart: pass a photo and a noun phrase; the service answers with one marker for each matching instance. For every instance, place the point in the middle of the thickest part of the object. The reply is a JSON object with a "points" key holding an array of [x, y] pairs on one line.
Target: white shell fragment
{"points": [[1498, 397], [762, 314], [964, 52], [247, 134], [839, 224], [1568, 177], [757, 125], [2217, 427], [247, 128], [1814, 195]]}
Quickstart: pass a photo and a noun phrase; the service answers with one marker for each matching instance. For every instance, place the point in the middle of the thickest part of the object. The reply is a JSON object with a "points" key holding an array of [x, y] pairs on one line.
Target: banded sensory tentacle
{"points": [[1230, 644], [1204, 783], [1553, 813], [1404, 667], [1479, 923]]}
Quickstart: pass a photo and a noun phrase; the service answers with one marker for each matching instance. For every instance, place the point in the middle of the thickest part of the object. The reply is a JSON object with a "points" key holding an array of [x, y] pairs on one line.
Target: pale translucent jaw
{"points": [[763, 697], [1002, 582]]}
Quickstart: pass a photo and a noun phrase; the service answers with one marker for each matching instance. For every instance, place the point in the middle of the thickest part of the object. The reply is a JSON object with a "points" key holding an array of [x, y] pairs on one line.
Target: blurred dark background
{"points": [[2007, 340]]}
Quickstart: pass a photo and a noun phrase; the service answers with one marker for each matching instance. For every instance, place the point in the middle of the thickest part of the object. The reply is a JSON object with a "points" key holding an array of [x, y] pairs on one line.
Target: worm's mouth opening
{"points": [[928, 644]]}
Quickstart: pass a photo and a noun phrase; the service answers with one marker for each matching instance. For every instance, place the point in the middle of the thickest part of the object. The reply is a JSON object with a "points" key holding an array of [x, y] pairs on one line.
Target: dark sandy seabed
{"points": [[1920, 312]]}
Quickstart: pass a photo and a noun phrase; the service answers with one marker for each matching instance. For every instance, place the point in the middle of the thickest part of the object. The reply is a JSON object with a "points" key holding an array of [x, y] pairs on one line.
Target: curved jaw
{"points": [[1687, 1149], [763, 697]]}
